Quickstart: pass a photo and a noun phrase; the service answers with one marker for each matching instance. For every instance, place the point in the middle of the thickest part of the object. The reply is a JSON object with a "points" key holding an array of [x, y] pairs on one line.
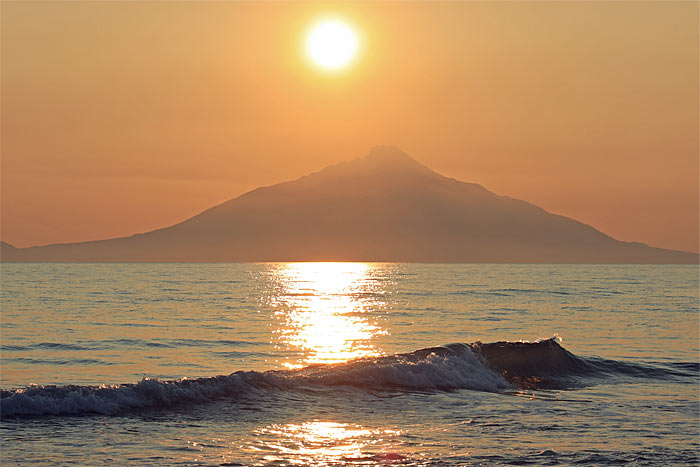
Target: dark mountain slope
{"points": [[385, 207]]}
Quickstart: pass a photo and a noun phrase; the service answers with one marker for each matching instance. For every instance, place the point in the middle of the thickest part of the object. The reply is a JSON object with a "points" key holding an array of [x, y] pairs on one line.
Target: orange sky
{"points": [[122, 117]]}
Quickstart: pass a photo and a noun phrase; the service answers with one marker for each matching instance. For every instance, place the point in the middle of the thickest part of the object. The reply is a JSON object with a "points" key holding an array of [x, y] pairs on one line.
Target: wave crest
{"points": [[482, 367]]}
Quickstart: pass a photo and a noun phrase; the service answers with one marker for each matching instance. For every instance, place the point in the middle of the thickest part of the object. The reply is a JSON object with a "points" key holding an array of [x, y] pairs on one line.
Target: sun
{"points": [[331, 44]]}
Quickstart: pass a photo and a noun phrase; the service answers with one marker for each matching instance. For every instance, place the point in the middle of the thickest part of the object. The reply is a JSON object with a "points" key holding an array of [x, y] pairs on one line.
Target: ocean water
{"points": [[349, 364]]}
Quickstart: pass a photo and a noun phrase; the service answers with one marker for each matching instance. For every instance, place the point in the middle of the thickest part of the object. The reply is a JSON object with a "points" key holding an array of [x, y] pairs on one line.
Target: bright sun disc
{"points": [[331, 44]]}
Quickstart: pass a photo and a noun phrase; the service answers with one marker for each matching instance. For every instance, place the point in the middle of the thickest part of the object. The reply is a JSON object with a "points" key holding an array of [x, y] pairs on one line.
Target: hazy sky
{"points": [[121, 117]]}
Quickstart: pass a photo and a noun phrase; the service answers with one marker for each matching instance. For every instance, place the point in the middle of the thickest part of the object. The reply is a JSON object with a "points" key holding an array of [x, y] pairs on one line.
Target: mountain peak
{"points": [[389, 155], [380, 161]]}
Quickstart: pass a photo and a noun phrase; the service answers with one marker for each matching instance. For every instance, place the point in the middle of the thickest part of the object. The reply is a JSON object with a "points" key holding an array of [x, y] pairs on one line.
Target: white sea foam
{"points": [[431, 369], [480, 367]]}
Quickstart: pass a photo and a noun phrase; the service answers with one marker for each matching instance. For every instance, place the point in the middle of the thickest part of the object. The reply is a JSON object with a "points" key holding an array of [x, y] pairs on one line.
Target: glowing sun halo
{"points": [[331, 44]]}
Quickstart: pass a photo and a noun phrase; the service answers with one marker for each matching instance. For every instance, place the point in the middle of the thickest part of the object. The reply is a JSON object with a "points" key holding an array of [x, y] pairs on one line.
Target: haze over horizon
{"points": [[126, 117], [384, 207], [386, 160]]}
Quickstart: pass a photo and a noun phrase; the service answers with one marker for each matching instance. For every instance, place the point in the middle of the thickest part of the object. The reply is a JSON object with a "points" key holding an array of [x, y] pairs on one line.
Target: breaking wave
{"points": [[482, 367]]}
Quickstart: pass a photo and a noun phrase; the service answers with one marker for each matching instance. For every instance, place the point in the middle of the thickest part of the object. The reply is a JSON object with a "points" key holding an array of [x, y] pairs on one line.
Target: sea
{"points": [[349, 364]]}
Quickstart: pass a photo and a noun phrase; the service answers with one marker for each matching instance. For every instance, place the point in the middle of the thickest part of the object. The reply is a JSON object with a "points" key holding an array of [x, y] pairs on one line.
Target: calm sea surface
{"points": [[323, 364]]}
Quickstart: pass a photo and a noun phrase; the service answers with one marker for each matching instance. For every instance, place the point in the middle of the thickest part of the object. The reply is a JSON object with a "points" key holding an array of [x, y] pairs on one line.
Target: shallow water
{"points": [[619, 385]]}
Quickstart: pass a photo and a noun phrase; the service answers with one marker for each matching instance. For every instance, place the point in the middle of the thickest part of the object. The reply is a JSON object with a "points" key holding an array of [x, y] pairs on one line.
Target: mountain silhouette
{"points": [[383, 207]]}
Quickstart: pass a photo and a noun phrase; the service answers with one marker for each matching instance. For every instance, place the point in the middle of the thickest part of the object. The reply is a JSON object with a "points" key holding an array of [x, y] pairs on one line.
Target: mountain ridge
{"points": [[385, 206]]}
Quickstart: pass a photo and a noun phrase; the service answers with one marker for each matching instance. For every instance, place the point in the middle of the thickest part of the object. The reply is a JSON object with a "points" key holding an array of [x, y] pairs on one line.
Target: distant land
{"points": [[383, 207]]}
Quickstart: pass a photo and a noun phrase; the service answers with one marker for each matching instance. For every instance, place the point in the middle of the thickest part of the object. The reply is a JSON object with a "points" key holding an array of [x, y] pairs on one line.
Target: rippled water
{"points": [[270, 356]]}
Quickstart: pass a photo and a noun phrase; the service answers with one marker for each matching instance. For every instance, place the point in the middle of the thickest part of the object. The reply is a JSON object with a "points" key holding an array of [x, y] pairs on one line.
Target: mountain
{"points": [[384, 207]]}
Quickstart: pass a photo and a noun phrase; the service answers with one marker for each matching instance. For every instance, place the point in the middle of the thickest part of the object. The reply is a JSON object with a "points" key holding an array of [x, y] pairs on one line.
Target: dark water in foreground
{"points": [[349, 364]]}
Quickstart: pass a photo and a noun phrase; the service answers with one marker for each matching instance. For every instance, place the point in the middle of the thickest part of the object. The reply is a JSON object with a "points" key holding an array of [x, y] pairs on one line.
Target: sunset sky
{"points": [[123, 117]]}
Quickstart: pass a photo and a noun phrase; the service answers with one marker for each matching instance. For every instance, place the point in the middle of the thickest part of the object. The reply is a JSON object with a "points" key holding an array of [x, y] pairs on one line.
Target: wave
{"points": [[546, 364], [482, 367], [120, 343]]}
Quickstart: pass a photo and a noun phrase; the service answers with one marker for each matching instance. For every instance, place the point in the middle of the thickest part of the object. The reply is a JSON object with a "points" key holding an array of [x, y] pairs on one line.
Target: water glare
{"points": [[322, 443], [319, 311]]}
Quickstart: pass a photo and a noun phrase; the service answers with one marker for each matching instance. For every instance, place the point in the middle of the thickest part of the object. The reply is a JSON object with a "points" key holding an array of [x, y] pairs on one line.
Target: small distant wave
{"points": [[45, 345], [482, 367], [59, 361], [120, 343]]}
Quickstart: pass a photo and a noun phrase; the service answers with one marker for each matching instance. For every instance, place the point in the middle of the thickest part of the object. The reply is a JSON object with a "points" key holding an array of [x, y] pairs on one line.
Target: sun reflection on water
{"points": [[321, 311], [325, 443]]}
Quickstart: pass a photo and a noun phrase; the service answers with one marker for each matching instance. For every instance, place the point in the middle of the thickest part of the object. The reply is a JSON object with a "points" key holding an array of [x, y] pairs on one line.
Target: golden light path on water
{"points": [[320, 311], [325, 443], [324, 315]]}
